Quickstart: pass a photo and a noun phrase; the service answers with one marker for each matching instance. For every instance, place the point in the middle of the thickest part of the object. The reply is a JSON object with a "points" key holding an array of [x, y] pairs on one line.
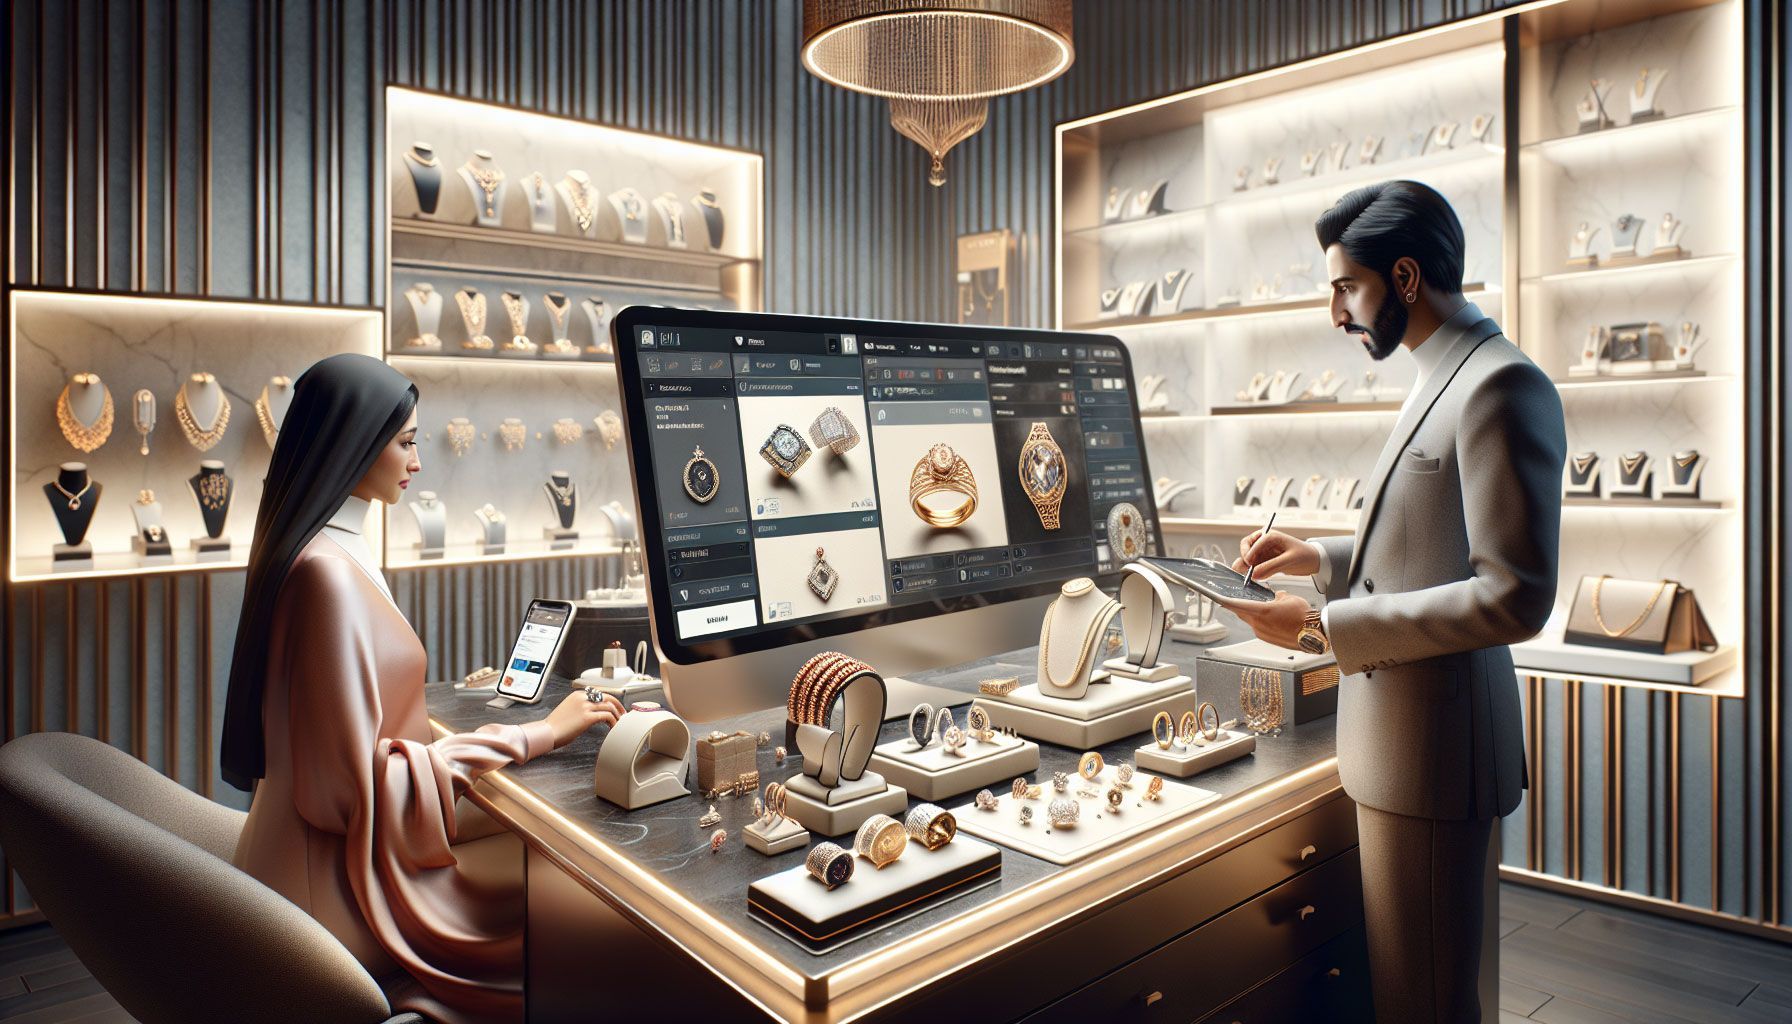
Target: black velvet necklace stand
{"points": [[212, 490], [73, 497], [563, 499]]}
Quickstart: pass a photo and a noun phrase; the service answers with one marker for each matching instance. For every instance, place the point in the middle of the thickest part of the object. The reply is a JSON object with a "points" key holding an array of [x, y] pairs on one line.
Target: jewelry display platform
{"points": [[1112, 709], [782, 837], [644, 760], [837, 811], [1097, 827], [1183, 762], [933, 774], [796, 904]]}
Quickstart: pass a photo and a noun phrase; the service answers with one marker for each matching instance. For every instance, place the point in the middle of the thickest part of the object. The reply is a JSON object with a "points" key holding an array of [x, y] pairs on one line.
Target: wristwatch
{"points": [[1312, 638], [1042, 474], [786, 450]]}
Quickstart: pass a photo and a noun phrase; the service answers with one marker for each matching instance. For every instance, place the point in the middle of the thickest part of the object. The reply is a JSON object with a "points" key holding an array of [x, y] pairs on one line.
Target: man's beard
{"points": [[1388, 327]]}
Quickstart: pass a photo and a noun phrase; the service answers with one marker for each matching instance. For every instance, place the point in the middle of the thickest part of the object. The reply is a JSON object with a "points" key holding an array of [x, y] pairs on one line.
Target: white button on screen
{"points": [[716, 618]]}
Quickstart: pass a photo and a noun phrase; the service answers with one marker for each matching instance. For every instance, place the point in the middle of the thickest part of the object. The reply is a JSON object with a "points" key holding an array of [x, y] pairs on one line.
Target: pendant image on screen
{"points": [[1126, 531], [700, 478], [822, 577], [1043, 474]]}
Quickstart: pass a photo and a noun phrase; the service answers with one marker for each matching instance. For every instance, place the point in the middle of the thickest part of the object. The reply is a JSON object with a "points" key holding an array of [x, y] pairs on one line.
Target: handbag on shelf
{"points": [[1648, 616]]}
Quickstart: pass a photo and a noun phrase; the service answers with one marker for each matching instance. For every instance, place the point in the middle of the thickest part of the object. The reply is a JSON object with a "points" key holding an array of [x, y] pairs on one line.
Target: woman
{"points": [[354, 812]]}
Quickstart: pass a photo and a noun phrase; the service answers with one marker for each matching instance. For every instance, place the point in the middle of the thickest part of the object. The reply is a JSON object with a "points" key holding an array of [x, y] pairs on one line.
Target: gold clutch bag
{"points": [[1652, 617]]}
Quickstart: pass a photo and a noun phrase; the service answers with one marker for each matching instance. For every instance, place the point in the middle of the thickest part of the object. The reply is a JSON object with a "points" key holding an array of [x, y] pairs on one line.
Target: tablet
{"points": [[1214, 579]]}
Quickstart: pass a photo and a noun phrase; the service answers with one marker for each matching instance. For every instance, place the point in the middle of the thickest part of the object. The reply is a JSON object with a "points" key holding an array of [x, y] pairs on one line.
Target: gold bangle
{"points": [[1089, 766], [1201, 713], [1163, 730], [931, 826]]}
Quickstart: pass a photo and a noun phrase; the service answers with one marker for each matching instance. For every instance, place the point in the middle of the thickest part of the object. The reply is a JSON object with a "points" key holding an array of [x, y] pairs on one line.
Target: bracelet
{"points": [[880, 840], [829, 864], [931, 826]]}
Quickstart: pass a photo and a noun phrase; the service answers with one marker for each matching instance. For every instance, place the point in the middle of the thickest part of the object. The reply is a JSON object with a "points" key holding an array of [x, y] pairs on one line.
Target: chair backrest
{"points": [[134, 871]]}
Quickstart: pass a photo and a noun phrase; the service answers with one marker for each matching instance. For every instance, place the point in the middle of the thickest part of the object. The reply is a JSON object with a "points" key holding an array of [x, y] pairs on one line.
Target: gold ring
{"points": [[1089, 766], [931, 826], [1023, 791], [880, 840], [1163, 730], [1154, 788], [1186, 728], [1211, 732], [942, 471]]}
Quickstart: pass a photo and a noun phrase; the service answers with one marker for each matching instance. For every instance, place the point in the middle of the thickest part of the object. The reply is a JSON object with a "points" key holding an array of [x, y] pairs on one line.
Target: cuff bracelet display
{"points": [[831, 675], [829, 864], [880, 840], [931, 826], [942, 471]]}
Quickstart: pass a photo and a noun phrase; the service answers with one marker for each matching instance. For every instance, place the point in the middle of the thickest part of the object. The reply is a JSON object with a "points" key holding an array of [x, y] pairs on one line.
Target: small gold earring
{"points": [[1411, 296]]}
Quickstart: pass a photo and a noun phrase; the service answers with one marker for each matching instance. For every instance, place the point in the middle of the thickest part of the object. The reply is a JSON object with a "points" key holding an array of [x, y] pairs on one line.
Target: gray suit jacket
{"points": [[1454, 559]]}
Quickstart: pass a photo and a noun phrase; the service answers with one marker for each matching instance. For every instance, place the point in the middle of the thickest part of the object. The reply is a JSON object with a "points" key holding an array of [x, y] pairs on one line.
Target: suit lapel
{"points": [[1464, 346]]}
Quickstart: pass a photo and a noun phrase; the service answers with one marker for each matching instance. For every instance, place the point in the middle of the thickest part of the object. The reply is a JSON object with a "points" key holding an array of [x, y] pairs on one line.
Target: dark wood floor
{"points": [[1562, 961]]}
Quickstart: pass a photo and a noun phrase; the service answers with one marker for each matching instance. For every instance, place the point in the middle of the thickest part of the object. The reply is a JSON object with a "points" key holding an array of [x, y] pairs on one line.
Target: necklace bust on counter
{"points": [[485, 180], [73, 497]]}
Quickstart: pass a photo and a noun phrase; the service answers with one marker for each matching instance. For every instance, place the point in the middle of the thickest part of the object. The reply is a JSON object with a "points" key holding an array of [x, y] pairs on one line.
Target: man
{"points": [[1454, 558]]}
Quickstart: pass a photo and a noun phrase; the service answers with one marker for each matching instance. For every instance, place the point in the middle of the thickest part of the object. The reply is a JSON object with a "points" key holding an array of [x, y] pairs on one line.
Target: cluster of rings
{"points": [[1196, 729]]}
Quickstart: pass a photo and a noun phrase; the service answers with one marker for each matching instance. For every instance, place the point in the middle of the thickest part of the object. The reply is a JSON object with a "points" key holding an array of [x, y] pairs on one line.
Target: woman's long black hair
{"points": [[344, 411]]}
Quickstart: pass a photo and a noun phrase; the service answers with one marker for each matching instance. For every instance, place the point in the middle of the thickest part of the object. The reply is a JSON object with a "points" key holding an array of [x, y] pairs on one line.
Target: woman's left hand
{"points": [[576, 713]]}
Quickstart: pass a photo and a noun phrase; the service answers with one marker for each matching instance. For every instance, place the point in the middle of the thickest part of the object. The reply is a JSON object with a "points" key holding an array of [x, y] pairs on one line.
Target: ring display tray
{"points": [[1092, 834], [1183, 761], [1112, 710], [793, 903], [933, 774]]}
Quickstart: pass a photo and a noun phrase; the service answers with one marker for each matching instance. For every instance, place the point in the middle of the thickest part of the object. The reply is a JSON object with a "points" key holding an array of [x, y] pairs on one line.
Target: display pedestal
{"points": [[559, 539], [66, 557], [491, 549], [211, 547], [1110, 711], [795, 901], [426, 553], [1162, 672], [644, 760], [1183, 761], [1098, 827], [837, 811], [782, 837], [933, 774], [1309, 681], [626, 690], [152, 551], [1205, 633]]}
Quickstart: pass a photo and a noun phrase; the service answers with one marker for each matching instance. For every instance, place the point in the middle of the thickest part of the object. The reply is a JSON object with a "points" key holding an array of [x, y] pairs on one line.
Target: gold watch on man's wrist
{"points": [[1312, 638]]}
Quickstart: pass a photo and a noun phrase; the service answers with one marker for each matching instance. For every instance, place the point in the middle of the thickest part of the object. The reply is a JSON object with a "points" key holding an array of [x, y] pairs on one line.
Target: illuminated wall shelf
{"points": [[1520, 192]]}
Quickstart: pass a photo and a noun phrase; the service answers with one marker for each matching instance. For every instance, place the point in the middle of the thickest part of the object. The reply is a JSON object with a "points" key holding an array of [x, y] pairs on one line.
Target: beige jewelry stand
{"points": [[1074, 623], [783, 836], [1183, 762], [1145, 603], [644, 760], [933, 774], [835, 794]]}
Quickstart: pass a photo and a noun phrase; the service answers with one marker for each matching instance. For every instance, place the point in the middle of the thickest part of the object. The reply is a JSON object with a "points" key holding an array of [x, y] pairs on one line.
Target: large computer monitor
{"points": [[909, 493]]}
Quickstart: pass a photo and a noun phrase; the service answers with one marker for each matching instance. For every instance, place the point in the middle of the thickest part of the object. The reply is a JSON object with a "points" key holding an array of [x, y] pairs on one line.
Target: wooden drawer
{"points": [[1210, 965], [1330, 984], [1146, 921]]}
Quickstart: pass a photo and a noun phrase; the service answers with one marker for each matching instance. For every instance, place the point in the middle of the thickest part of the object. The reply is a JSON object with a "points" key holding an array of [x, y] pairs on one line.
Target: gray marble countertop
{"points": [[667, 840]]}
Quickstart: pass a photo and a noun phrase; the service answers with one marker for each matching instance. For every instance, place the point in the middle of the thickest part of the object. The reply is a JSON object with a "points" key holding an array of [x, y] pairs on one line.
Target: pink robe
{"points": [[355, 820]]}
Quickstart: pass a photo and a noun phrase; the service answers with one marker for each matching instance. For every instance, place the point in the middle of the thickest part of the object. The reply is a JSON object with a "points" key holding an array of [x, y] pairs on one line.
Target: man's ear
{"points": [[1406, 278]]}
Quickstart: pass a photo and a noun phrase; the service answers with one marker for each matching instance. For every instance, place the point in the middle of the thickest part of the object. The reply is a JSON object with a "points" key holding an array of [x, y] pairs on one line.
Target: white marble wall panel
{"points": [[1698, 47], [156, 344], [1174, 156]]}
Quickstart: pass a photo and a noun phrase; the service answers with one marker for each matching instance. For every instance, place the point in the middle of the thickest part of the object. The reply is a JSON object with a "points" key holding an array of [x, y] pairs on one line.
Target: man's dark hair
{"points": [[1378, 224]]}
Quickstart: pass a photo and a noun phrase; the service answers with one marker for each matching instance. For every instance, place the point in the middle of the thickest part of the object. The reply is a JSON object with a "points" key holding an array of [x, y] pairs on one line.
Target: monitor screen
{"points": [[802, 477]]}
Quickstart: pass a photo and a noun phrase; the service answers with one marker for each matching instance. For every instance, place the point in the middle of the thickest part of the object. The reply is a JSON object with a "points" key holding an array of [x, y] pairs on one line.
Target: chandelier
{"points": [[937, 61]]}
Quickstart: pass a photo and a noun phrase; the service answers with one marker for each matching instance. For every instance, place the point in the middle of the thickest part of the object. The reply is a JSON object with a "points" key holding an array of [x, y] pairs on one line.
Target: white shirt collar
{"points": [[1433, 349], [352, 516]]}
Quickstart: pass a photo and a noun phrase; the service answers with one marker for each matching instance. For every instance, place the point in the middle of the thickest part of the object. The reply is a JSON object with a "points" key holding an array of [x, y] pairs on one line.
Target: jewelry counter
{"points": [[1251, 900]]}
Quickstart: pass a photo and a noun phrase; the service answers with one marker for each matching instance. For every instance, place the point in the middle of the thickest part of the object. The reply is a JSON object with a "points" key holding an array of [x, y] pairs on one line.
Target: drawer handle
{"points": [[1306, 912], [1153, 998], [1308, 851]]}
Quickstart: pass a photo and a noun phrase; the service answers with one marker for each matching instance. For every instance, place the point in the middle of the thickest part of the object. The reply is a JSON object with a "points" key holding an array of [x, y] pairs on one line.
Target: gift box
{"points": [[724, 758], [1309, 681]]}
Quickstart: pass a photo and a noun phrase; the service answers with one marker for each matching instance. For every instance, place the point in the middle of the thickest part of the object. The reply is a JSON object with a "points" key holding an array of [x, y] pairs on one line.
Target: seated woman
{"points": [[354, 811]]}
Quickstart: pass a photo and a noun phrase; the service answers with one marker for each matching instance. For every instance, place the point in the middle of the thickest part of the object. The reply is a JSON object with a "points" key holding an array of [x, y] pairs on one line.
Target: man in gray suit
{"points": [[1454, 558]]}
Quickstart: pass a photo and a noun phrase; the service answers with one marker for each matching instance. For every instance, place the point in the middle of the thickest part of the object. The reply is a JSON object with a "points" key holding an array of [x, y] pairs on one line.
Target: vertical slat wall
{"points": [[233, 148]]}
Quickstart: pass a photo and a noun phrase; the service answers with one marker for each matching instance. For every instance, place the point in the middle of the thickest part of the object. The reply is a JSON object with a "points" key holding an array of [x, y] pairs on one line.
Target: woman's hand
{"points": [[1276, 552], [576, 713]]}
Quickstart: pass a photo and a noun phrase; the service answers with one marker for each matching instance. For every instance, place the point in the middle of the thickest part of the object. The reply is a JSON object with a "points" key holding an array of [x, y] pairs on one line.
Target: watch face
{"points": [[1126, 531]]}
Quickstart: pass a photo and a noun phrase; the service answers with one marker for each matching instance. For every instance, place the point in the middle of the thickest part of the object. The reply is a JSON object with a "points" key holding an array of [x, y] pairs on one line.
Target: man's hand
{"points": [[575, 713], [1276, 552], [1277, 622]]}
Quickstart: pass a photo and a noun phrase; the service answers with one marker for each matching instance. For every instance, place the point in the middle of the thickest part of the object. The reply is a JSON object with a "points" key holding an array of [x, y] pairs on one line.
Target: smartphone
{"points": [[1215, 579], [525, 673]]}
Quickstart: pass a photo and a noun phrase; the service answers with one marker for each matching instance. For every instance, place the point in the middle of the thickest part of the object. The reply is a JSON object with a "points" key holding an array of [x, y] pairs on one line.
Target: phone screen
{"points": [[526, 671]]}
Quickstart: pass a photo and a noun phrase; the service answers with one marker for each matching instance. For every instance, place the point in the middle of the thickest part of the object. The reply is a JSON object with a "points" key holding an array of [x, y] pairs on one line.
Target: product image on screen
{"points": [[862, 471], [526, 671]]}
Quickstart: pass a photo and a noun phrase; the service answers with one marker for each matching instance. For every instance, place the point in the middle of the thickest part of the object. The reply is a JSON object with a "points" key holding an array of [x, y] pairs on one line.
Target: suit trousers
{"points": [[1423, 905]]}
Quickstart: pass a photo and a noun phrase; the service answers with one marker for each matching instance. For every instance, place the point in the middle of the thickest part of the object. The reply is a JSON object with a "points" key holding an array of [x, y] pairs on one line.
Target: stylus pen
{"points": [[1251, 570]]}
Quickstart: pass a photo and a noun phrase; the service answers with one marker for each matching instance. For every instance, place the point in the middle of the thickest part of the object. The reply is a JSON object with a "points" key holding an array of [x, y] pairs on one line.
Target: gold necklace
{"points": [[1581, 462], [201, 438], [557, 311], [581, 203], [1631, 463], [472, 310], [488, 183], [564, 493], [568, 430], [460, 436], [513, 434], [214, 491], [84, 437], [518, 312], [988, 297], [1045, 642], [1685, 459], [74, 499], [264, 414]]}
